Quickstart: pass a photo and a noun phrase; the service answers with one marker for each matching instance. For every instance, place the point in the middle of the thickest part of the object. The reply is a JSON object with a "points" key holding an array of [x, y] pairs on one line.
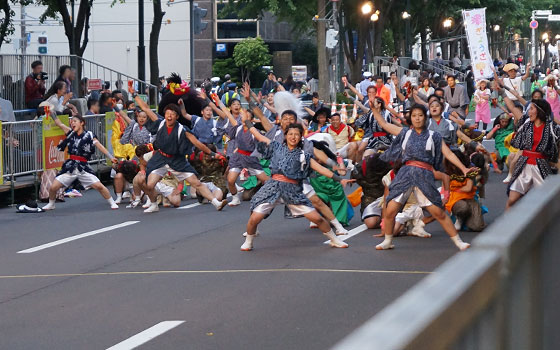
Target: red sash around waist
{"points": [[245, 153], [533, 155], [419, 164], [78, 158], [379, 134], [282, 178], [165, 154]]}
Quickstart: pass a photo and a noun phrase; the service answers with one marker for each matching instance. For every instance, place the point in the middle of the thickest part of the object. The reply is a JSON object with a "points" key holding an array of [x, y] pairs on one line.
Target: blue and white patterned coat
{"points": [[294, 164], [410, 176], [82, 145]]}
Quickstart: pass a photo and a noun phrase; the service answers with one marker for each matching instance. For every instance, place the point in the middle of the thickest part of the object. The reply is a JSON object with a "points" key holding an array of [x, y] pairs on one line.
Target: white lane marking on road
{"points": [[145, 336], [189, 206], [351, 233], [73, 238]]}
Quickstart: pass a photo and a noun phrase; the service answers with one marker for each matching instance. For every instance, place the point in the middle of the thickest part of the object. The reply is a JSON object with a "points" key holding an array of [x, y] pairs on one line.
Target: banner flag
{"points": [[475, 27]]}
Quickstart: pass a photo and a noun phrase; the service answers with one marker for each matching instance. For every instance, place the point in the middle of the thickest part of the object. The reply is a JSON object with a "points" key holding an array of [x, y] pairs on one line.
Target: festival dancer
{"points": [[290, 164], [551, 91], [421, 151], [173, 142], [241, 157], [536, 139], [81, 146], [211, 172]]}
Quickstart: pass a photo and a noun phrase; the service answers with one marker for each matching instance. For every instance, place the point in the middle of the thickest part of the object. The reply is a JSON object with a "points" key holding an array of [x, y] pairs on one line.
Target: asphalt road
{"points": [[119, 286]]}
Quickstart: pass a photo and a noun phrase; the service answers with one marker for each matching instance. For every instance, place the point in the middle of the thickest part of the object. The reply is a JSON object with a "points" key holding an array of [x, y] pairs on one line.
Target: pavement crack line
{"points": [[162, 272]]}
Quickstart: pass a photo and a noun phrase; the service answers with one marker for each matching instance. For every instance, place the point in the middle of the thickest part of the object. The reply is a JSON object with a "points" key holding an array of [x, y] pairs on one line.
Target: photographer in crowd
{"points": [[35, 85]]}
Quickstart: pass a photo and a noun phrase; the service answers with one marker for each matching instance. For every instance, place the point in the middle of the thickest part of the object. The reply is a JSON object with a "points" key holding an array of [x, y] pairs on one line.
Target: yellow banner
{"points": [[52, 135], [109, 120]]}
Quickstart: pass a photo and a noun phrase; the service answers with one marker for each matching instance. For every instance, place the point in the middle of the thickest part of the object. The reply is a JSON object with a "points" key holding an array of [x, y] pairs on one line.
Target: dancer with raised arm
{"points": [[81, 146], [289, 165], [422, 152]]}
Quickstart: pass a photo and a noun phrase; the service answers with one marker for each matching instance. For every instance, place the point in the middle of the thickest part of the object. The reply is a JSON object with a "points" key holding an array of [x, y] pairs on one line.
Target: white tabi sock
{"points": [[339, 229], [112, 203], [119, 198], [386, 244], [50, 206], [459, 242], [334, 240]]}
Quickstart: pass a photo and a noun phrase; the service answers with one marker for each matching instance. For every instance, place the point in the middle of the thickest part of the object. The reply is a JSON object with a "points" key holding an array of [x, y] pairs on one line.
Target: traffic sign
{"points": [[554, 18], [534, 24], [543, 12]]}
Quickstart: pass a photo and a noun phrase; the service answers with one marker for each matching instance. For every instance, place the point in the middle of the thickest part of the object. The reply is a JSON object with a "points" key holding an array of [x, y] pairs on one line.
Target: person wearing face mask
{"points": [[422, 151]]}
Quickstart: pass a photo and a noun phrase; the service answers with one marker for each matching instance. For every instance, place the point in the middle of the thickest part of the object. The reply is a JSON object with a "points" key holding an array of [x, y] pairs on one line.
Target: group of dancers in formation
{"points": [[410, 166]]}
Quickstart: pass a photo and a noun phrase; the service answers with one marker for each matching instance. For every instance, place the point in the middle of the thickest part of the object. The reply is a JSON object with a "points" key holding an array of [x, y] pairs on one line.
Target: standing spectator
{"points": [[456, 96], [383, 91], [222, 90], [469, 80], [314, 107], [93, 107], [35, 85], [313, 84], [457, 62], [438, 63], [289, 83], [6, 111], [105, 103], [124, 93], [394, 63], [268, 108], [269, 84], [64, 73], [73, 88], [365, 83]]}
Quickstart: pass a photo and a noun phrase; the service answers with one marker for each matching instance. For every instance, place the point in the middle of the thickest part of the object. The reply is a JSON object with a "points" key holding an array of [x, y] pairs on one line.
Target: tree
{"points": [[223, 66], [154, 40], [77, 34], [6, 23], [250, 54]]}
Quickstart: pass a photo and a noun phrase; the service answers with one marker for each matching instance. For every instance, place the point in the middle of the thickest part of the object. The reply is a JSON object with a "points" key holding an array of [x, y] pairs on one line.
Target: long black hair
{"points": [[544, 112], [57, 85]]}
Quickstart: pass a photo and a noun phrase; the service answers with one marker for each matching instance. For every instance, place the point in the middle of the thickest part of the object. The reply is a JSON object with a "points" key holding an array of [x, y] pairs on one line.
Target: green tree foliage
{"points": [[305, 54], [78, 35], [6, 22], [250, 54], [223, 66]]}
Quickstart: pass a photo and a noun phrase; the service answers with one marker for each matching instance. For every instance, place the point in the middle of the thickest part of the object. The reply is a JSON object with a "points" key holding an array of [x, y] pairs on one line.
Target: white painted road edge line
{"points": [[145, 336], [73, 238], [189, 206], [351, 233]]}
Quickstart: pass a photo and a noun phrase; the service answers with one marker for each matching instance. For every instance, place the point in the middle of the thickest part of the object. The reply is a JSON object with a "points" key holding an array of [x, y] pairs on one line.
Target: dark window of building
{"points": [[223, 13], [237, 30]]}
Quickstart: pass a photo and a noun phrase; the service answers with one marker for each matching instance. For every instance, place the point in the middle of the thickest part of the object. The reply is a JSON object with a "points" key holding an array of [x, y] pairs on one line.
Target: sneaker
{"points": [[152, 209], [133, 204], [147, 204], [114, 206]]}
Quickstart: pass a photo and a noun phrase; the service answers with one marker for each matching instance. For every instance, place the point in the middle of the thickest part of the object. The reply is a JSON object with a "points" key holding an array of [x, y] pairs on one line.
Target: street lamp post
{"points": [[406, 17], [447, 24], [141, 47]]}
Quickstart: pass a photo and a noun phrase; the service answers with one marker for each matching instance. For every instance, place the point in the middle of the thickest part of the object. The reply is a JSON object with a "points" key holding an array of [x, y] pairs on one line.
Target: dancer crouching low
{"points": [[289, 165]]}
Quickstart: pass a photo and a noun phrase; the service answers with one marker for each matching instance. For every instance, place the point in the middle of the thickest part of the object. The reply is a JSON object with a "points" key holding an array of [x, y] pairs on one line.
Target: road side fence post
{"points": [[500, 294]]}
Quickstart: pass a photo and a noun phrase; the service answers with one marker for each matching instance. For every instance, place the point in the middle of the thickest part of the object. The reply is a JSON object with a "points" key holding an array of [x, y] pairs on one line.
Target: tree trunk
{"points": [[322, 54], [423, 46], [154, 39], [6, 21]]}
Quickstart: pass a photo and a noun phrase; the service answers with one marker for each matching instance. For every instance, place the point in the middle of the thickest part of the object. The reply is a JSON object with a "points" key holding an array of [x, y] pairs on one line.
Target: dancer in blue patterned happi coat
{"points": [[422, 152], [81, 147], [289, 165]]}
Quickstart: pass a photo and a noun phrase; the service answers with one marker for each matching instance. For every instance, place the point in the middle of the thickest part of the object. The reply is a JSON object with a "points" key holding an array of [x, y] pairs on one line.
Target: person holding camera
{"points": [[35, 85]]}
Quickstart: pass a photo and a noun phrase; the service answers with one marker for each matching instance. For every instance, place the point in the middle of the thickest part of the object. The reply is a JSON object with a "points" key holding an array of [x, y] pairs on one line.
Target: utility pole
{"points": [[23, 34], [335, 68], [322, 52], [141, 47], [533, 40], [191, 43]]}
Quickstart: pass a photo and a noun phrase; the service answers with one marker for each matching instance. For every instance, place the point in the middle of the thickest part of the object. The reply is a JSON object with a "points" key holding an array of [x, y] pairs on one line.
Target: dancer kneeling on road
{"points": [[289, 165], [421, 150], [80, 145], [173, 142]]}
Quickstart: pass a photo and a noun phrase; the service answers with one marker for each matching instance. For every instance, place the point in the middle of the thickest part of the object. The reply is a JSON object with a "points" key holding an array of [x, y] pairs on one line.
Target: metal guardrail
{"points": [[500, 294], [382, 65], [23, 145], [15, 68]]}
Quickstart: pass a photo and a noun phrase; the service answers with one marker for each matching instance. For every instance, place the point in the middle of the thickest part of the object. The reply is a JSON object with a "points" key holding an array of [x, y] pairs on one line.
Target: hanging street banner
{"points": [[52, 135], [475, 27]]}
